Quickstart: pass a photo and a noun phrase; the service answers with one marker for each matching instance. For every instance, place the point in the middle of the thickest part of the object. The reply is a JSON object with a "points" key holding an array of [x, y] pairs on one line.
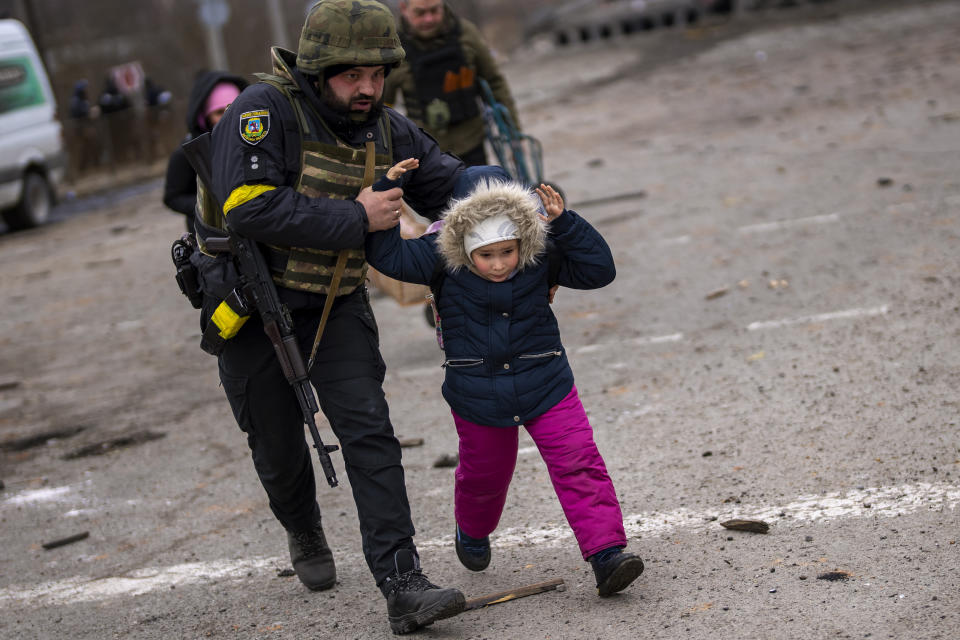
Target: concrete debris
{"points": [[754, 526], [29, 442], [106, 446], [446, 460], [834, 576]]}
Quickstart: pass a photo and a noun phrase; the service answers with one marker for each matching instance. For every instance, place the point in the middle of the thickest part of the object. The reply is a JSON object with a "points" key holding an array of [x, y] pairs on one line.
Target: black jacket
{"points": [[180, 188], [284, 217]]}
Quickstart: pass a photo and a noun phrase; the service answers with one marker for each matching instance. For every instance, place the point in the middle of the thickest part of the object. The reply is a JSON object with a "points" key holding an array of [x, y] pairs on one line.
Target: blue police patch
{"points": [[254, 125]]}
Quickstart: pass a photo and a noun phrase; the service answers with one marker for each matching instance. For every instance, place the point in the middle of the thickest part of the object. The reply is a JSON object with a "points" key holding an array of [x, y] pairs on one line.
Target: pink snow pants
{"points": [[488, 456]]}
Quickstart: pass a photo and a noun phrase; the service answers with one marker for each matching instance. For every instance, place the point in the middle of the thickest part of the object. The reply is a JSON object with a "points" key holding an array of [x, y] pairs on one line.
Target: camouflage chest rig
{"points": [[338, 171]]}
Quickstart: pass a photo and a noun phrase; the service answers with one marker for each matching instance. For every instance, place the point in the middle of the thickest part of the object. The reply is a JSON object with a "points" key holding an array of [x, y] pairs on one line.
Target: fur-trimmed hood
{"points": [[489, 198]]}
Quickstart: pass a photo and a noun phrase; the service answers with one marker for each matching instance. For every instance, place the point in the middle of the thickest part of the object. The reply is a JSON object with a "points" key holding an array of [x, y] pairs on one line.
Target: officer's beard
{"points": [[345, 108]]}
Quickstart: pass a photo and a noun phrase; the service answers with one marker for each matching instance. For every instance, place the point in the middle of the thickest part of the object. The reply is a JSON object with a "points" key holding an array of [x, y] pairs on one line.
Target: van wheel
{"points": [[36, 202]]}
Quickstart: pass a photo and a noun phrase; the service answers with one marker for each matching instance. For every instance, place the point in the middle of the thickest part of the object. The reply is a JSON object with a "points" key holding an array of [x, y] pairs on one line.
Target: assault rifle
{"points": [[257, 287]]}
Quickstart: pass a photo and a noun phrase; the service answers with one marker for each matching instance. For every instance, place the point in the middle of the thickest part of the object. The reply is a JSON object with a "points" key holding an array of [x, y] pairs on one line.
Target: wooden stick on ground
{"points": [[53, 544], [513, 594]]}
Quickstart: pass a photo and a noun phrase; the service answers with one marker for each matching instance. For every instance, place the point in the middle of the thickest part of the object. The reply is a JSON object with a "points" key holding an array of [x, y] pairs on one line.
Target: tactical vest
{"points": [[336, 171], [446, 87]]}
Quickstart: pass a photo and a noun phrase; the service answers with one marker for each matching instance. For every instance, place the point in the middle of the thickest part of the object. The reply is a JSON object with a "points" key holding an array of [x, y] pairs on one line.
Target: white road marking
{"points": [[74, 513], [138, 582], [47, 494], [869, 502], [646, 409], [846, 314], [786, 224], [879, 501], [822, 317], [673, 337], [590, 348], [640, 342], [129, 325]]}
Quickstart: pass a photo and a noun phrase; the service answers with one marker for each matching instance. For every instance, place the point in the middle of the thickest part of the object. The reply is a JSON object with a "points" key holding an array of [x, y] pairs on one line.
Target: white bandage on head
{"points": [[494, 229]]}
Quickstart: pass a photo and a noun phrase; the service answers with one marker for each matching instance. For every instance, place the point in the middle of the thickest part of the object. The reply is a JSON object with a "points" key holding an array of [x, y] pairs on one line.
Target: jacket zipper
{"points": [[463, 362], [546, 354]]}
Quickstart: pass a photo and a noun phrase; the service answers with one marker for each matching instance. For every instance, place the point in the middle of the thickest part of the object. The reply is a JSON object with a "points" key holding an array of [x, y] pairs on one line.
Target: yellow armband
{"points": [[244, 194]]}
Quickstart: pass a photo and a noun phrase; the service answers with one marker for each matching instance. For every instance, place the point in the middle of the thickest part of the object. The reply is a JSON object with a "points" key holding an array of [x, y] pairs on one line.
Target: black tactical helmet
{"points": [[348, 32]]}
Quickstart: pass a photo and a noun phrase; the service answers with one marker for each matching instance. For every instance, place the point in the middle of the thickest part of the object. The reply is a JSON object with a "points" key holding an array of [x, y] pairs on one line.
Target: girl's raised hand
{"points": [[552, 201], [402, 167]]}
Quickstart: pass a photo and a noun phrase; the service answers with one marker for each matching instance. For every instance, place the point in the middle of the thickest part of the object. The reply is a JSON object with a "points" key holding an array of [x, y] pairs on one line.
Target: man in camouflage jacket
{"points": [[438, 79]]}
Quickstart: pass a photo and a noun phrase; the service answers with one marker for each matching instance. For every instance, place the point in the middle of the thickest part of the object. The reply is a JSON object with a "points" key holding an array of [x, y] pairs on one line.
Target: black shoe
{"points": [[412, 600], [474, 553], [312, 559], [615, 570]]}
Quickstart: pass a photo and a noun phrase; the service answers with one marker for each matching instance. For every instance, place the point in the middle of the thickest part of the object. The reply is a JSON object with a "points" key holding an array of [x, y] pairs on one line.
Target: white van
{"points": [[32, 157]]}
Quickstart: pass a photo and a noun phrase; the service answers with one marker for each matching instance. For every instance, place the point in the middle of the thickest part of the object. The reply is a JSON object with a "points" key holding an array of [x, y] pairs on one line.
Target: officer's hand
{"points": [[382, 207]]}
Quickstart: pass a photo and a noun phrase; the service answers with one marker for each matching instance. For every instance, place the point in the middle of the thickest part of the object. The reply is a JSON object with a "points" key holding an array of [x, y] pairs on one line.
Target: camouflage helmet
{"points": [[348, 32]]}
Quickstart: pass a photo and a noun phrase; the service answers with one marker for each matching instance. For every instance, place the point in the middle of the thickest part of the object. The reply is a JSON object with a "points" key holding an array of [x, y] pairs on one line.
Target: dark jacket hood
{"points": [[202, 87]]}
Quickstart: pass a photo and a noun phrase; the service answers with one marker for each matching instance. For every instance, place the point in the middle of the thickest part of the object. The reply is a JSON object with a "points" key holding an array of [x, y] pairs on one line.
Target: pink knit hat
{"points": [[220, 97]]}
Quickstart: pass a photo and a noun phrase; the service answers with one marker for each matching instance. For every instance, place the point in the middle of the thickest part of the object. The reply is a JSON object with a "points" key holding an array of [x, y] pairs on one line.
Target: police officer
{"points": [[438, 79], [293, 159]]}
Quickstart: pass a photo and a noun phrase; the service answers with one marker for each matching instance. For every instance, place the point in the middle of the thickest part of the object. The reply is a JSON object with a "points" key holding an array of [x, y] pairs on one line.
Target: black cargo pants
{"points": [[348, 376]]}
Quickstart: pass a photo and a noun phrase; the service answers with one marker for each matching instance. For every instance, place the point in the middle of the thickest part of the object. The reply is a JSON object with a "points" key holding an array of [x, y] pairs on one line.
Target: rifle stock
{"points": [[259, 288]]}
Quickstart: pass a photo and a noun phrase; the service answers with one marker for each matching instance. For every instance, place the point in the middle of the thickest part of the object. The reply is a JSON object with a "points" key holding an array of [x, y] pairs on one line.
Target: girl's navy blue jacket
{"points": [[505, 362]]}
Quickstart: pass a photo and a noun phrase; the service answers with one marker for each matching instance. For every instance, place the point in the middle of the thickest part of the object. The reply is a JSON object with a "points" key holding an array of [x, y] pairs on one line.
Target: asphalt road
{"points": [[781, 344]]}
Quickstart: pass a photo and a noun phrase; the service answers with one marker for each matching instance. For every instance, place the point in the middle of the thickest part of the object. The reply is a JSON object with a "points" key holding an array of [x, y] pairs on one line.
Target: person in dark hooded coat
{"points": [[212, 93]]}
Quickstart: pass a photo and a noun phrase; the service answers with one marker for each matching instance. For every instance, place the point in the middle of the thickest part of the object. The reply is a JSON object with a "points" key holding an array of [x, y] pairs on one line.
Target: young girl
{"points": [[505, 364]]}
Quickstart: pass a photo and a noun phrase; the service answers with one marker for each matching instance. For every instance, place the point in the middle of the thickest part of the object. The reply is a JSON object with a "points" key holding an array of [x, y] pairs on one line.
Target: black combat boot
{"points": [[412, 600], [474, 553], [312, 559], [615, 570]]}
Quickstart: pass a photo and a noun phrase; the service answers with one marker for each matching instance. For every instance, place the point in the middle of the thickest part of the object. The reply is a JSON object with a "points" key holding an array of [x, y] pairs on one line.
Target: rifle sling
{"points": [[368, 175]]}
